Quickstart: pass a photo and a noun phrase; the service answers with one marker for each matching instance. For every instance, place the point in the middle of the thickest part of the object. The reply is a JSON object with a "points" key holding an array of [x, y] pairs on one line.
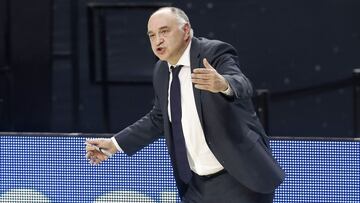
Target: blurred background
{"points": [[86, 66], [77, 69]]}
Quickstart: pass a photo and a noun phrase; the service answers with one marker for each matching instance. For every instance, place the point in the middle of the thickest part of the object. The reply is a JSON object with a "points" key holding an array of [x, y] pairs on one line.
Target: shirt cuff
{"points": [[228, 91], [116, 144]]}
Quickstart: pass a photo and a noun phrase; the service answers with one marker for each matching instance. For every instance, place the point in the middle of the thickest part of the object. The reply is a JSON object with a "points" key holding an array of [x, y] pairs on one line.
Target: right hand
{"points": [[95, 156]]}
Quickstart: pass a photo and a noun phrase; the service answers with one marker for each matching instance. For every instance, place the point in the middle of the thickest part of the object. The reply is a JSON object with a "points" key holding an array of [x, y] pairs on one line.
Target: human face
{"points": [[168, 37]]}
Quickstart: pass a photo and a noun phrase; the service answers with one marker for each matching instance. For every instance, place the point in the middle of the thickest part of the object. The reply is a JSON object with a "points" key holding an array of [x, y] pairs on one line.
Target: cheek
{"points": [[153, 47]]}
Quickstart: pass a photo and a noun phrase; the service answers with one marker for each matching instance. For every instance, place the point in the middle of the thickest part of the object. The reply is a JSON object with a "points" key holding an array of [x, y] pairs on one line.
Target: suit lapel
{"points": [[195, 62], [164, 72]]}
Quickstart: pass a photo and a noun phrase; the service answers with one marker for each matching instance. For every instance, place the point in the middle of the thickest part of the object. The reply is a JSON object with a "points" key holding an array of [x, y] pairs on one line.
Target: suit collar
{"points": [[164, 85], [195, 54], [195, 61]]}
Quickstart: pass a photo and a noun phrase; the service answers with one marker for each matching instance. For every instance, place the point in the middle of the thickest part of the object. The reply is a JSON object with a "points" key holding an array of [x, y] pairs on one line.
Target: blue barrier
{"points": [[52, 168]]}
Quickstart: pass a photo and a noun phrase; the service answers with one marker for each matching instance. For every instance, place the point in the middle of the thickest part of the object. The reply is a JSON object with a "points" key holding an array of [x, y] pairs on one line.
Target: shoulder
{"points": [[160, 66], [160, 71], [212, 44], [215, 51], [213, 47]]}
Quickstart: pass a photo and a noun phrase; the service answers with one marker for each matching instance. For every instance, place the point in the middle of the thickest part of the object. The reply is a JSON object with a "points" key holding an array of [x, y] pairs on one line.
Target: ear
{"points": [[186, 28]]}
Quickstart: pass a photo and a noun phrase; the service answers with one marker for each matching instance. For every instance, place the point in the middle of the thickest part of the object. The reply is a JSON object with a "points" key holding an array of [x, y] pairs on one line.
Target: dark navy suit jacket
{"points": [[232, 129]]}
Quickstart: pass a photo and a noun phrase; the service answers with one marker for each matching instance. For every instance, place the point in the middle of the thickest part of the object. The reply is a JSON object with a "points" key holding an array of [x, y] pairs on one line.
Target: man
{"points": [[218, 148]]}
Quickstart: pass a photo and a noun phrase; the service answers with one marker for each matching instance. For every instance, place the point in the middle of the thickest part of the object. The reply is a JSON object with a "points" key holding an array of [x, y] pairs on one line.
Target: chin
{"points": [[163, 58]]}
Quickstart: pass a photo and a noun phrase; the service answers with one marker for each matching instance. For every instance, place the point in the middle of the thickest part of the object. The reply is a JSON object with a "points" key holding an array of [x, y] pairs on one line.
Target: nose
{"points": [[159, 40]]}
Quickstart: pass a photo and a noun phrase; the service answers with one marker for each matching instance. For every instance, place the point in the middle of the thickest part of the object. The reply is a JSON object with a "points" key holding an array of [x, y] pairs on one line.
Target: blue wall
{"points": [[53, 169]]}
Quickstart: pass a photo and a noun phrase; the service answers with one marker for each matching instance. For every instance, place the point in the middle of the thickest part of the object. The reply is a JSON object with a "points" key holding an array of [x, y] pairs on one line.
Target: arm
{"points": [[143, 132], [131, 139]]}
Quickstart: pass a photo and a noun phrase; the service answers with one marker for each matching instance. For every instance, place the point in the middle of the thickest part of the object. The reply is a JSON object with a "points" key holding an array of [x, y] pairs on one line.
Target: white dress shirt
{"points": [[201, 160]]}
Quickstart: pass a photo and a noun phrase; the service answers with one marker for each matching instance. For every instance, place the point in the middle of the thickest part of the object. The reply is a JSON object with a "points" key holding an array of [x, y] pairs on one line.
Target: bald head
{"points": [[179, 14]]}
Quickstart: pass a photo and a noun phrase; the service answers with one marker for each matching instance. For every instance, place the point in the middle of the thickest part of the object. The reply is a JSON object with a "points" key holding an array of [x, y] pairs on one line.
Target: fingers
{"points": [[207, 64], [203, 87], [203, 78], [208, 70], [95, 157], [95, 150], [208, 78], [103, 143], [96, 142], [202, 75], [90, 147]]}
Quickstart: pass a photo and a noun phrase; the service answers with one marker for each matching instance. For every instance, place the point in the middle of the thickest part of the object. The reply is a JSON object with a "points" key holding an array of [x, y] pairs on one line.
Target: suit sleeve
{"points": [[143, 132], [225, 61]]}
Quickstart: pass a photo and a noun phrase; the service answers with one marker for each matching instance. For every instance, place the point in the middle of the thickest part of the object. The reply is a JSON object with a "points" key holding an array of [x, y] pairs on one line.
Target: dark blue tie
{"points": [[182, 163]]}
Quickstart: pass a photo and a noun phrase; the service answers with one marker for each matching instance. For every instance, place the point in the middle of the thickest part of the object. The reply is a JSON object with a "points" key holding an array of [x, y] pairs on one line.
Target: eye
{"points": [[151, 36], [164, 31]]}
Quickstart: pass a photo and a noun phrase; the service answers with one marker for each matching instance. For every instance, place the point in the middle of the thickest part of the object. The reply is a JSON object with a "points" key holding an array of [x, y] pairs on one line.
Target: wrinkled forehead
{"points": [[161, 19]]}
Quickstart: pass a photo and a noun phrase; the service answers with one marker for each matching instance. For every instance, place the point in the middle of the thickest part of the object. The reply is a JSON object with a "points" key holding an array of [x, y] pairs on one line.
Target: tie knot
{"points": [[176, 69]]}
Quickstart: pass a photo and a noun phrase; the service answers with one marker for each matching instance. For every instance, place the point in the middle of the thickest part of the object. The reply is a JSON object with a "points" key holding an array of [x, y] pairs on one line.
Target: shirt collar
{"points": [[184, 59]]}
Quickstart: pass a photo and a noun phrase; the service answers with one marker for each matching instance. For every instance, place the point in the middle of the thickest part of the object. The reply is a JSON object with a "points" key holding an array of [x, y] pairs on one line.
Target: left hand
{"points": [[208, 79]]}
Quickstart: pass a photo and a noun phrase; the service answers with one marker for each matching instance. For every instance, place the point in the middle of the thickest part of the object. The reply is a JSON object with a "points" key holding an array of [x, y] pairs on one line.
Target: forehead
{"points": [[161, 19]]}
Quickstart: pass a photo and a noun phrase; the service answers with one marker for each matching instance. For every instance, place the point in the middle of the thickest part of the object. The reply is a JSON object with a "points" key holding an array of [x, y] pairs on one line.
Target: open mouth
{"points": [[160, 50]]}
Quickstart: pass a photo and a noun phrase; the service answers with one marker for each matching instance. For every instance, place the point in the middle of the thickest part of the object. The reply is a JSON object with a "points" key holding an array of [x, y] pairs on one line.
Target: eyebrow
{"points": [[161, 28]]}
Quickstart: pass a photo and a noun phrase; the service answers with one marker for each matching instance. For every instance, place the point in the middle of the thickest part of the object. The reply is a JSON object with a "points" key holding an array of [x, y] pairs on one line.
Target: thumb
{"points": [[207, 64]]}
